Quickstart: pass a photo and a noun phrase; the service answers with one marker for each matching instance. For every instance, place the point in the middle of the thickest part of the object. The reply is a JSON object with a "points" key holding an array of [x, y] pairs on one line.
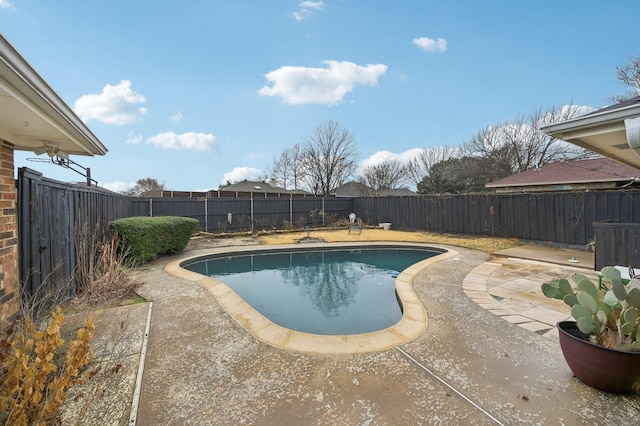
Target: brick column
{"points": [[9, 281]]}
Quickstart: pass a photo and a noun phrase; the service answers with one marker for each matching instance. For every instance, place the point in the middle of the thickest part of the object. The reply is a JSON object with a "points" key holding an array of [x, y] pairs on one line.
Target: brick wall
{"points": [[8, 237]]}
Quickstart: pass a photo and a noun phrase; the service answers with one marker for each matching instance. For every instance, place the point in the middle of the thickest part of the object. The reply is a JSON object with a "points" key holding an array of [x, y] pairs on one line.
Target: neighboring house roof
{"points": [[357, 189], [33, 115], [595, 173], [260, 188], [613, 131], [95, 186], [397, 192], [299, 192], [352, 189], [253, 186]]}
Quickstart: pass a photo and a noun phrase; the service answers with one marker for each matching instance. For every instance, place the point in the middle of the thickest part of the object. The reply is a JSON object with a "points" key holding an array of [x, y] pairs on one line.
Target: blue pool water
{"points": [[341, 291]]}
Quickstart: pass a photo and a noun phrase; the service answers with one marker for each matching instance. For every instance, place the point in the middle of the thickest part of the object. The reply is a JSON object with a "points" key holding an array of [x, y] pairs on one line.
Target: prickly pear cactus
{"points": [[610, 315], [626, 298]]}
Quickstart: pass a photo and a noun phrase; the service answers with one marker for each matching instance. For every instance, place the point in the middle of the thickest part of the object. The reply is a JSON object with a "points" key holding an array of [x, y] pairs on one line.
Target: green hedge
{"points": [[144, 238]]}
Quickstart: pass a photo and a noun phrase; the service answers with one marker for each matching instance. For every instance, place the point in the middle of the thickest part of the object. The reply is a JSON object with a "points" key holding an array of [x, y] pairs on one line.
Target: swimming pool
{"points": [[331, 291], [413, 323]]}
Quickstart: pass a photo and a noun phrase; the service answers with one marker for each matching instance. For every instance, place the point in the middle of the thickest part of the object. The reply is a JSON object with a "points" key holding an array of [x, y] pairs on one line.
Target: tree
{"points": [[288, 170], [329, 158], [420, 166], [519, 145], [147, 187], [390, 174], [489, 144], [629, 75], [457, 176], [532, 147]]}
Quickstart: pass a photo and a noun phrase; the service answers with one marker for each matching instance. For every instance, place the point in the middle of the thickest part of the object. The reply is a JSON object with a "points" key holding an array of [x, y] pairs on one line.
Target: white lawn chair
{"points": [[355, 224]]}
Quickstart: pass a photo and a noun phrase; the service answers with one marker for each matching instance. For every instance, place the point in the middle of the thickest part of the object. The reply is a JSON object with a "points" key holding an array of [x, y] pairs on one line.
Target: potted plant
{"points": [[602, 346]]}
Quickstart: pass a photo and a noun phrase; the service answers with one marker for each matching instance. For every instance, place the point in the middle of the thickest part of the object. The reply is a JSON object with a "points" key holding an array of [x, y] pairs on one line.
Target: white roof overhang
{"points": [[604, 132], [33, 115]]}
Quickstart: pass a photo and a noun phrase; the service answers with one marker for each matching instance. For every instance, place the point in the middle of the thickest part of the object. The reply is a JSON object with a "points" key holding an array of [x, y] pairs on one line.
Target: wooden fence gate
{"points": [[51, 215]]}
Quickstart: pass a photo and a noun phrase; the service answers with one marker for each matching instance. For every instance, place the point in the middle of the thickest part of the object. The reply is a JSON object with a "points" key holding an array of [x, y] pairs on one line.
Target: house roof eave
{"points": [[564, 182], [603, 131], [35, 114], [596, 119]]}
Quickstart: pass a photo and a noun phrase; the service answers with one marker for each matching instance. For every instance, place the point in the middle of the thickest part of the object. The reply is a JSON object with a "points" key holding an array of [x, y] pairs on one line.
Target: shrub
{"points": [[144, 238]]}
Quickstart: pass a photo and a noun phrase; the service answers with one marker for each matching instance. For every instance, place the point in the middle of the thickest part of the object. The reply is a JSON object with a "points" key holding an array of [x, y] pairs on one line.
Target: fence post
{"points": [[251, 212], [323, 211], [150, 207], [291, 209], [206, 214]]}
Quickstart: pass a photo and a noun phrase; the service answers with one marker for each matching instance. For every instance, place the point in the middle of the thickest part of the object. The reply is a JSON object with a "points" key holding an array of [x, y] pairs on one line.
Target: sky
{"points": [[198, 93]]}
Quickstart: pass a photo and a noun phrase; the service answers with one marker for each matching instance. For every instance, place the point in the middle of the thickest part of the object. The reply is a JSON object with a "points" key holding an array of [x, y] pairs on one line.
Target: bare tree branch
{"points": [[420, 166], [330, 158], [288, 170], [390, 174], [519, 145], [629, 75]]}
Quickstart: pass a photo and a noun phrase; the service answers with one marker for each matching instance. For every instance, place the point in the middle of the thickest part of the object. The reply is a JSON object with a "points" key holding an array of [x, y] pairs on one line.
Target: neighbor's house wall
{"points": [[9, 292]]}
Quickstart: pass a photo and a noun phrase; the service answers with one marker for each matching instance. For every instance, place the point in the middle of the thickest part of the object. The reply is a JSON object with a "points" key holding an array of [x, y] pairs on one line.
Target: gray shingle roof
{"points": [[260, 187], [576, 171]]}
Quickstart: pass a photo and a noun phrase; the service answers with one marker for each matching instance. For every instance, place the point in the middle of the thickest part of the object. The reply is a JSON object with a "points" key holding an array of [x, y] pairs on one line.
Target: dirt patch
{"points": [[204, 241], [486, 244], [311, 240]]}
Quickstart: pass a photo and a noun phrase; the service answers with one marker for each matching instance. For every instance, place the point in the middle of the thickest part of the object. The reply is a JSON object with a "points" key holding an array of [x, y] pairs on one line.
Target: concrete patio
{"points": [[488, 356]]}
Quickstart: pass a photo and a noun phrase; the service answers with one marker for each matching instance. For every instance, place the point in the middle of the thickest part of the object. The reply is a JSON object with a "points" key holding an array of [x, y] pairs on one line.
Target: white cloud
{"points": [[115, 105], [304, 85], [430, 45], [239, 174], [317, 5], [307, 8], [177, 117], [6, 4], [384, 156], [118, 186], [189, 141], [132, 138]]}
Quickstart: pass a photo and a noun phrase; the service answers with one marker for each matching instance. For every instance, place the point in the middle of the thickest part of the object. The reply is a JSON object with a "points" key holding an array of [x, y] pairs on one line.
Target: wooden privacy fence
{"points": [[617, 244], [51, 217], [51, 214], [248, 214], [564, 218]]}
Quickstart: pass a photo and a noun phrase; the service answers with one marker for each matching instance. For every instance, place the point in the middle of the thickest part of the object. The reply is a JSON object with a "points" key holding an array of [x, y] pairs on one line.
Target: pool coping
{"points": [[412, 324]]}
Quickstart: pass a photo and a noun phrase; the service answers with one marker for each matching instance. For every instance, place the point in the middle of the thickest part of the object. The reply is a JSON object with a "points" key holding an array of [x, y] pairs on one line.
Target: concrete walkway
{"points": [[509, 285], [481, 360]]}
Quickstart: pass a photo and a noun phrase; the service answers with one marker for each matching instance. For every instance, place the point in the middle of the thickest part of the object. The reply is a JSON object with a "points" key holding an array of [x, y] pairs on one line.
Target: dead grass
{"points": [[487, 244]]}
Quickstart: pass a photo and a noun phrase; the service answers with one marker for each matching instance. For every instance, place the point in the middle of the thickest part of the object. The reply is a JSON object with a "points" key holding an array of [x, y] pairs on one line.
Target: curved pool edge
{"points": [[413, 323]]}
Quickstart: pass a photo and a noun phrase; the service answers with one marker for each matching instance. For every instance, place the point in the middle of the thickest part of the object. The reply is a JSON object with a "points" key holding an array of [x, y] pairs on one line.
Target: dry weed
{"points": [[101, 269]]}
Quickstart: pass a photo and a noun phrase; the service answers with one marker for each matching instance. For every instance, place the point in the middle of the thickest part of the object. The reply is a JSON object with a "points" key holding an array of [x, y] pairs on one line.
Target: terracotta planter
{"points": [[602, 368]]}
